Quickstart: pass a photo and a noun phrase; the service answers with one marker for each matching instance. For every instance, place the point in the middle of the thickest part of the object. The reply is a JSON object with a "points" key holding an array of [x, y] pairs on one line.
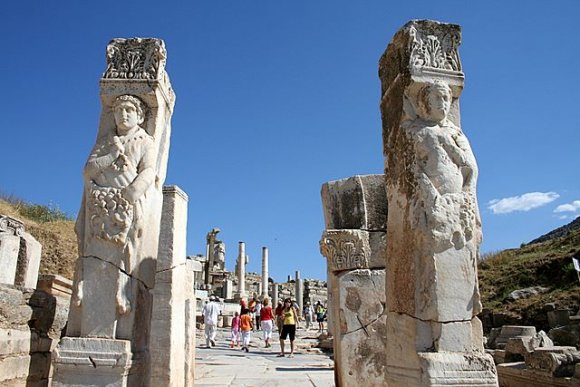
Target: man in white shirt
{"points": [[210, 313]]}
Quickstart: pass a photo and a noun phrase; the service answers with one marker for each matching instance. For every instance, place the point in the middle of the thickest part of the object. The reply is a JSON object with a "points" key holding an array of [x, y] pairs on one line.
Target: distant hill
{"points": [[559, 232], [544, 262]]}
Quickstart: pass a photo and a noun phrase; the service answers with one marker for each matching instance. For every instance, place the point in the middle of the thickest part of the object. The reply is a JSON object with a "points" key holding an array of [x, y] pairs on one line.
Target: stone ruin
{"points": [[433, 225], [32, 313], [428, 333], [355, 217], [130, 313], [526, 358]]}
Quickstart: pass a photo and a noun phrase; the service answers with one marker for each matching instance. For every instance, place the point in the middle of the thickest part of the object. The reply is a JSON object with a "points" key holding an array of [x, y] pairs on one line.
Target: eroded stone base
{"points": [[96, 362], [446, 369]]}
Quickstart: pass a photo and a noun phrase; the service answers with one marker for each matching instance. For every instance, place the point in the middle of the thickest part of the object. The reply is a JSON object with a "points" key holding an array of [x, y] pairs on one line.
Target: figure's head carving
{"points": [[129, 112], [434, 101]]}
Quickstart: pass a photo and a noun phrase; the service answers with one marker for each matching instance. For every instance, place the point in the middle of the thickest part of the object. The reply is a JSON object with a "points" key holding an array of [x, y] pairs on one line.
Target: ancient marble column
{"points": [[355, 216], [299, 292], [274, 295], [264, 272], [118, 225], [433, 227], [242, 270]]}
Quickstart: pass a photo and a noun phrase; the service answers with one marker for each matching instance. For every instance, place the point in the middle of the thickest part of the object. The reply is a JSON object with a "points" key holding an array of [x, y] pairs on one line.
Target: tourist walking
{"points": [[308, 314], [320, 315], [235, 331], [290, 318], [266, 321], [246, 325], [210, 314]]}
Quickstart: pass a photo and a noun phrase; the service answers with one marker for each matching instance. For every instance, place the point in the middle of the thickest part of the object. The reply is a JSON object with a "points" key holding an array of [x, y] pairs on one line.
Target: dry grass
{"points": [[58, 239], [545, 264]]}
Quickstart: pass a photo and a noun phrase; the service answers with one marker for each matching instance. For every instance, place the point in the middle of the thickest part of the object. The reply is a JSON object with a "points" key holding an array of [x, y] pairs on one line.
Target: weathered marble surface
{"points": [[19, 254], [119, 220], [355, 252], [433, 223], [170, 340], [361, 336], [357, 202]]}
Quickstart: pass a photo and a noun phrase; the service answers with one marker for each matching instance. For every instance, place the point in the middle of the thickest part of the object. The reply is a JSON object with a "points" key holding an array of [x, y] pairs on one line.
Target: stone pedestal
{"points": [[96, 362], [228, 290], [434, 228], [356, 276]]}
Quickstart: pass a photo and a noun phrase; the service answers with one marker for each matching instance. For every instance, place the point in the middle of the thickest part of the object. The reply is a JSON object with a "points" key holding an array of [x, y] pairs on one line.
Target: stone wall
{"points": [[31, 322]]}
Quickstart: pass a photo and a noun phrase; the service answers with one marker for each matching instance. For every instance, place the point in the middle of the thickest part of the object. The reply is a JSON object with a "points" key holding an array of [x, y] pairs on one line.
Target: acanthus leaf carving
{"points": [[345, 249], [434, 52], [135, 58]]}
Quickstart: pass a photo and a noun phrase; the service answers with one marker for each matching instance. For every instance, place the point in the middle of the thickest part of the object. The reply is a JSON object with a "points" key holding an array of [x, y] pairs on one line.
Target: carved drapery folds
{"points": [[136, 58], [346, 249]]}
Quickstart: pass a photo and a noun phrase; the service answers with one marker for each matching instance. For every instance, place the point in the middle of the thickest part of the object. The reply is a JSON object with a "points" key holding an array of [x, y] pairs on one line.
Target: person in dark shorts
{"points": [[290, 318]]}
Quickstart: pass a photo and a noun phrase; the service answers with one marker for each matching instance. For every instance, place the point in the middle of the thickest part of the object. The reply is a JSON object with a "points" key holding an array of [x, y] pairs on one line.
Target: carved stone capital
{"points": [[346, 249], [136, 58], [12, 226], [433, 48]]}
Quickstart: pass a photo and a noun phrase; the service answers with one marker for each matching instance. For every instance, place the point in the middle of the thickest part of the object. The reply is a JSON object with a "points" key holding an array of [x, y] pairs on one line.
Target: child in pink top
{"points": [[235, 331]]}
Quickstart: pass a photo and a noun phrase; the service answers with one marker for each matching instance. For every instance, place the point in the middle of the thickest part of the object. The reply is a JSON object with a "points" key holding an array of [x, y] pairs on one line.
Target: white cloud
{"points": [[568, 207], [525, 202]]}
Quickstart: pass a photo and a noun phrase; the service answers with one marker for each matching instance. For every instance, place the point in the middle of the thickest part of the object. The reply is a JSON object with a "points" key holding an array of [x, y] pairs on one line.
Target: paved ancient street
{"points": [[224, 366]]}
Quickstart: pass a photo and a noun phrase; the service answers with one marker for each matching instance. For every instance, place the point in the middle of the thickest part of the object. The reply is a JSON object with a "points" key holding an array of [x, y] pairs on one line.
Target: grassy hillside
{"points": [[52, 228], [546, 264]]}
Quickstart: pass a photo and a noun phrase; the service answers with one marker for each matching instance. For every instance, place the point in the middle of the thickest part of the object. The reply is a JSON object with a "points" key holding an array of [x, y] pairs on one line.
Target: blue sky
{"points": [[275, 98]]}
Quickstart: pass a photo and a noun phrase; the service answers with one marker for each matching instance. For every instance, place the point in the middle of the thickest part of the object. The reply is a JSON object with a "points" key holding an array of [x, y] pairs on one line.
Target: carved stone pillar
{"points": [[355, 212], [433, 228], [119, 221]]}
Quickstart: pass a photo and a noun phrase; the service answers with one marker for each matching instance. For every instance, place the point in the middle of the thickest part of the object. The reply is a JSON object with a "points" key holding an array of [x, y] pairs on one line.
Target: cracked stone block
{"points": [[359, 344]]}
